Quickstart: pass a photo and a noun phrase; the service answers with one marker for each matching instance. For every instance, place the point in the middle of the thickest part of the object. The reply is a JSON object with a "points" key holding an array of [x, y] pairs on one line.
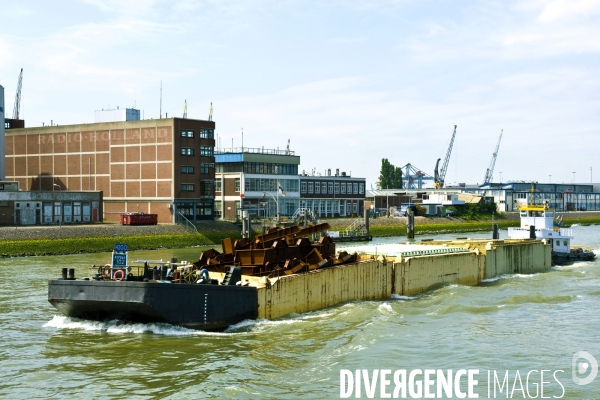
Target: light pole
{"points": [[573, 176], [549, 178], [276, 202], [54, 184]]}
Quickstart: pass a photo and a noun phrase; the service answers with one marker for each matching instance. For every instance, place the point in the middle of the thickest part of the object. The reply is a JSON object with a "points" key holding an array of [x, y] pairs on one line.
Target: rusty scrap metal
{"points": [[280, 251]]}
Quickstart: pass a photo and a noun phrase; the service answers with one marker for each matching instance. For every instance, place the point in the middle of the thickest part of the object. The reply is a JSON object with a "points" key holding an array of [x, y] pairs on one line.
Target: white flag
{"points": [[280, 188]]}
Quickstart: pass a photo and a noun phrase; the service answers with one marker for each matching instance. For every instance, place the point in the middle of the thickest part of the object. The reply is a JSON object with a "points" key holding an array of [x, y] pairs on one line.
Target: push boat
{"points": [[538, 222], [218, 290]]}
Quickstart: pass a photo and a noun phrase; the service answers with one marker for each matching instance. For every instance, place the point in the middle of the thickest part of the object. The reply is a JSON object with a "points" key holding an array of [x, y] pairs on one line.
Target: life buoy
{"points": [[121, 275]]}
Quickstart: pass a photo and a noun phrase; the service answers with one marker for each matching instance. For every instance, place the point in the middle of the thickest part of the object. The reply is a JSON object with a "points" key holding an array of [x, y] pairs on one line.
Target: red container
{"points": [[139, 219]]}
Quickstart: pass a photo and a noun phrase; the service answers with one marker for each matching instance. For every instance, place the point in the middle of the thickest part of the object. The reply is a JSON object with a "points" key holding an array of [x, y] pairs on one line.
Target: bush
{"points": [[16, 248]]}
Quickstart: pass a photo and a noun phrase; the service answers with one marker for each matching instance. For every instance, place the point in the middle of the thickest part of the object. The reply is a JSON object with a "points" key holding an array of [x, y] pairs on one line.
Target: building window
{"points": [[336, 188], [218, 211], [303, 187], [310, 187], [207, 188], [187, 151], [206, 133], [187, 187], [217, 185], [187, 169], [186, 133], [207, 151], [330, 186], [205, 167], [343, 188], [362, 188], [323, 187], [356, 189], [237, 184], [317, 188]]}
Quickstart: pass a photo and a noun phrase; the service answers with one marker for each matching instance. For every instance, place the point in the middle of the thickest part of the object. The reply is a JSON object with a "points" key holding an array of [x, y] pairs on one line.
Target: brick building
{"points": [[162, 166]]}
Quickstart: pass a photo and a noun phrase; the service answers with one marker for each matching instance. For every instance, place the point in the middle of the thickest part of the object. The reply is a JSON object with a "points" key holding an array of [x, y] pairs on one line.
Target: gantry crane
{"points": [[490, 171], [438, 179], [18, 97], [413, 177]]}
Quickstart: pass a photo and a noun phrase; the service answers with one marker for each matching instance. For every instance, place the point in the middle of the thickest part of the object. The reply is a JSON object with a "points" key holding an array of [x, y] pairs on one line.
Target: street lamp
{"points": [[573, 176], [54, 184], [276, 202]]}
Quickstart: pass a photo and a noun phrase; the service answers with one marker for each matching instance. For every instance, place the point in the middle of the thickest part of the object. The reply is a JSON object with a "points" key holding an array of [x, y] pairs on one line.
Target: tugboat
{"points": [[538, 222]]}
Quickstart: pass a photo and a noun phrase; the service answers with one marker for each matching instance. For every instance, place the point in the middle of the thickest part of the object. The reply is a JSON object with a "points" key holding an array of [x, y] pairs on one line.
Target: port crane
{"points": [[438, 179], [413, 177], [490, 171], [18, 97]]}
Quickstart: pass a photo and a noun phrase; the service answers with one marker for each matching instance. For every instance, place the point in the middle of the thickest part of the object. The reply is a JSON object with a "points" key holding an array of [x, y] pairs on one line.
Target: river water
{"points": [[508, 326]]}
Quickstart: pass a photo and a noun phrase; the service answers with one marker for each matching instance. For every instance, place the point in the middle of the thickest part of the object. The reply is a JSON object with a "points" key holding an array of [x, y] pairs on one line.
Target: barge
{"points": [[283, 272]]}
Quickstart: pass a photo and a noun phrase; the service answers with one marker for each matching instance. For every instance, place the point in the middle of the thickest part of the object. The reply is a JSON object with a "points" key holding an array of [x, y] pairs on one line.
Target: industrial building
{"points": [[158, 166], [266, 182]]}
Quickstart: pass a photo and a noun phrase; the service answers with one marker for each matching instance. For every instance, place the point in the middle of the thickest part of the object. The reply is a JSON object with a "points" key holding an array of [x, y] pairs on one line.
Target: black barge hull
{"points": [[194, 306]]}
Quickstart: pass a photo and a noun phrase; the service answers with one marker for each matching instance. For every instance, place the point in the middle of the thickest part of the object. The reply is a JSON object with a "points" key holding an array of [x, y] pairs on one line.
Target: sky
{"points": [[348, 83]]}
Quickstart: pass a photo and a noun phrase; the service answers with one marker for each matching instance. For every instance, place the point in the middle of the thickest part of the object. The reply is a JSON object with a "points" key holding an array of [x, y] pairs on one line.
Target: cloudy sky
{"points": [[347, 82]]}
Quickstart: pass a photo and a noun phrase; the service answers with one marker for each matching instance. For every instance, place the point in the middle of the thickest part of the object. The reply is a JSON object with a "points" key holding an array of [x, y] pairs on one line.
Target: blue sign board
{"points": [[119, 259], [120, 248]]}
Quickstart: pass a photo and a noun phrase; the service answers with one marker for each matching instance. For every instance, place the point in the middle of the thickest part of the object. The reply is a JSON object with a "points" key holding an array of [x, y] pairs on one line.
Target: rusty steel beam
{"points": [[277, 234]]}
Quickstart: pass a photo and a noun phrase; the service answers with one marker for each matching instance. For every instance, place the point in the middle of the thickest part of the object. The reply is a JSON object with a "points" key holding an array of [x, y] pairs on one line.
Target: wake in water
{"points": [[507, 276], [117, 327]]}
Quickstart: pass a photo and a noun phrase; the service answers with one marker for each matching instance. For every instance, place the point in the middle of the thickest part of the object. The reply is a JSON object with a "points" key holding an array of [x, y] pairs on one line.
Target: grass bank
{"points": [[43, 247]]}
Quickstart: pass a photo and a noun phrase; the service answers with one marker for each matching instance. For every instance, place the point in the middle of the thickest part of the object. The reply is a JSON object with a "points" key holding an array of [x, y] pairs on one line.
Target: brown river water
{"points": [[508, 326]]}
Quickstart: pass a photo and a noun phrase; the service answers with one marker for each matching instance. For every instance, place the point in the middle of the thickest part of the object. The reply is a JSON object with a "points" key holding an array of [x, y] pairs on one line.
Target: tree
{"points": [[390, 176]]}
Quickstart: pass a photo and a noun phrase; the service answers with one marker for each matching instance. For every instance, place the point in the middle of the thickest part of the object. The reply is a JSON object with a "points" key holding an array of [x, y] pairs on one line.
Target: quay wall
{"points": [[378, 279]]}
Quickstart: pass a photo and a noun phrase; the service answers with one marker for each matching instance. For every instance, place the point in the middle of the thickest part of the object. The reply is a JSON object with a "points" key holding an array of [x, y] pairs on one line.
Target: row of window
{"points": [[332, 188], [258, 168], [204, 168], [205, 133], [206, 188], [270, 185], [208, 151]]}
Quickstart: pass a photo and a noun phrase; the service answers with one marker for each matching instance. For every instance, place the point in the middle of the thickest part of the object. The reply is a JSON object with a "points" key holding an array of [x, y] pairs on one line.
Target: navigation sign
{"points": [[119, 259]]}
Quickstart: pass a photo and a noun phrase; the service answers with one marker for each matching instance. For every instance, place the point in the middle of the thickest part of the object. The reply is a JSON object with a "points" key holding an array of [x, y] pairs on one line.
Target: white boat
{"points": [[538, 222]]}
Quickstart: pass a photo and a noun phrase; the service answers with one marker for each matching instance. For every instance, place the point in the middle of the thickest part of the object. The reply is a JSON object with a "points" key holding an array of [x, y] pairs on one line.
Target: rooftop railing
{"points": [[254, 150]]}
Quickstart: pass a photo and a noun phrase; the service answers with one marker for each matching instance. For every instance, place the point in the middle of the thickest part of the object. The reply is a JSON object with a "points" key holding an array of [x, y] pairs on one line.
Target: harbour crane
{"points": [[438, 179], [18, 97], [413, 177], [490, 171]]}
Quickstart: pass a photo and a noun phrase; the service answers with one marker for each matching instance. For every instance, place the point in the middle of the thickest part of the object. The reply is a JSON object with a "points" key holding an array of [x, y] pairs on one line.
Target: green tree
{"points": [[390, 176]]}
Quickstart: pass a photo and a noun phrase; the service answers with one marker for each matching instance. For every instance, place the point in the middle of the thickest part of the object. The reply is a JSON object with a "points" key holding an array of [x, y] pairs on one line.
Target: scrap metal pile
{"points": [[280, 251]]}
